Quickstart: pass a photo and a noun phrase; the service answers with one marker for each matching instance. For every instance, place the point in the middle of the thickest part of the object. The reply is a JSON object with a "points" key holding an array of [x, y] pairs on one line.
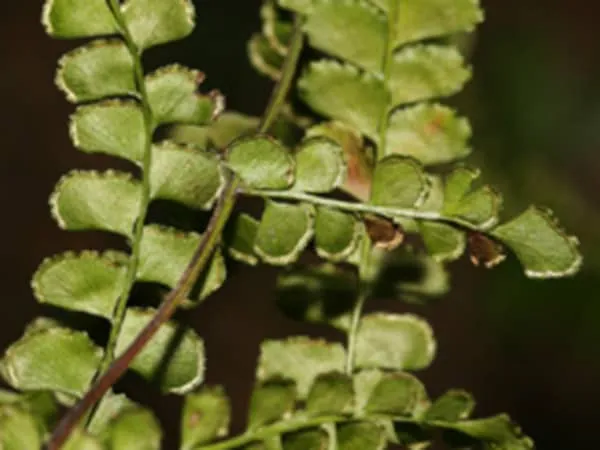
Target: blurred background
{"points": [[525, 347]]}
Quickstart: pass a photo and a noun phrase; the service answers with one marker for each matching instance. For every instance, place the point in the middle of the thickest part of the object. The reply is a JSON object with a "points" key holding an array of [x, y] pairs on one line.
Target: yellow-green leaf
{"points": [[320, 166], [360, 436], [331, 393], [399, 182], [186, 175], [262, 162], [88, 282], [392, 341], [206, 416], [425, 72], [271, 401], [443, 242], [336, 233], [454, 405], [76, 19], [300, 359], [134, 427], [165, 254], [396, 394], [173, 97], [154, 22], [328, 28], [101, 69], [113, 127], [283, 233], [425, 19], [343, 93], [431, 133], [18, 429], [49, 357], [543, 248], [97, 201], [174, 357]]}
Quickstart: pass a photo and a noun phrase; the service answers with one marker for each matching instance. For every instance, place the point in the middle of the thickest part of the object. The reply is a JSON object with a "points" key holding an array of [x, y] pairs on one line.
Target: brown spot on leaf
{"points": [[194, 419], [484, 251], [383, 232]]}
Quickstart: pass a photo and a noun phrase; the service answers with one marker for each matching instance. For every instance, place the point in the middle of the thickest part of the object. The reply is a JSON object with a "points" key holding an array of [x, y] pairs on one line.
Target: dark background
{"points": [[526, 347]]}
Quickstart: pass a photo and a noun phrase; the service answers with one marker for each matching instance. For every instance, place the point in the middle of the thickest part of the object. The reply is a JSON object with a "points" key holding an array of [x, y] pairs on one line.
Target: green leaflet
{"points": [[431, 133], [283, 233], [272, 400], [80, 440], [364, 382], [109, 200], [342, 92], [154, 22], [399, 182], [331, 393], [336, 233], [74, 19], [496, 432], [327, 29], [400, 342], [306, 440], [396, 394], [173, 97], [92, 283], [424, 72], [174, 359], [125, 430], [100, 69], [37, 361], [18, 428], [420, 19], [360, 436], [41, 405], [300, 359], [320, 166], [454, 405], [97, 201], [113, 127], [164, 255], [479, 206], [262, 163], [185, 175], [543, 248], [206, 416], [458, 185], [88, 282], [443, 242], [111, 406]]}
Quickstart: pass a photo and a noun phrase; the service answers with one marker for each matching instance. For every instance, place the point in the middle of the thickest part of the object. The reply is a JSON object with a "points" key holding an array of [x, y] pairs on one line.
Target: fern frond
{"points": [[119, 108]]}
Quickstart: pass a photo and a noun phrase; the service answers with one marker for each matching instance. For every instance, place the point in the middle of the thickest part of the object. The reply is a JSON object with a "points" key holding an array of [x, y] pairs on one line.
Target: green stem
{"points": [[134, 260], [277, 100], [201, 257], [363, 296], [387, 68], [272, 431], [363, 207]]}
